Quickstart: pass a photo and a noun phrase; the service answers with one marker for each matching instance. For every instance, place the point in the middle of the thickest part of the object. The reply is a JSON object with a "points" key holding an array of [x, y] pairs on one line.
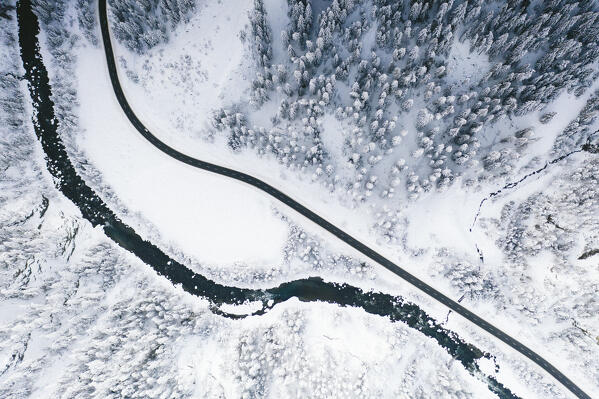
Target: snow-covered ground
{"points": [[215, 220], [73, 303]]}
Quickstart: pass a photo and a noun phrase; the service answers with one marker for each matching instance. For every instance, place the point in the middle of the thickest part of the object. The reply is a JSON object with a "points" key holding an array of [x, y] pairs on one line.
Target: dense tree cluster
{"points": [[580, 131], [472, 280], [87, 18], [382, 68], [552, 222], [261, 33], [542, 238], [142, 24]]}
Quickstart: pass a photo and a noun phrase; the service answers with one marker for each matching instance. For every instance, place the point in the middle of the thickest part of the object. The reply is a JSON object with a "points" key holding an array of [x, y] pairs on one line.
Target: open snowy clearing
{"points": [[212, 219]]}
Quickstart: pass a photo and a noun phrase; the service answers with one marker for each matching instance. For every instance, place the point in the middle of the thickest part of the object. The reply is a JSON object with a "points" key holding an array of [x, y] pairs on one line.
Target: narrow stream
{"points": [[97, 213]]}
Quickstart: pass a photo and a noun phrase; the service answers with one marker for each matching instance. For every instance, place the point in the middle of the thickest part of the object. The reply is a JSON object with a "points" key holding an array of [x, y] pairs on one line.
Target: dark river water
{"points": [[97, 213]]}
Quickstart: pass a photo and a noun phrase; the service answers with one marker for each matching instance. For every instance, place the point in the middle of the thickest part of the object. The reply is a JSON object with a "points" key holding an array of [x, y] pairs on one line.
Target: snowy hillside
{"points": [[460, 139]]}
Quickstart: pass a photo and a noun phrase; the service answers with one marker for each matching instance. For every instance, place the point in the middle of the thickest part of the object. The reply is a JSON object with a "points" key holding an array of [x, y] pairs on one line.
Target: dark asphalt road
{"points": [[259, 184]]}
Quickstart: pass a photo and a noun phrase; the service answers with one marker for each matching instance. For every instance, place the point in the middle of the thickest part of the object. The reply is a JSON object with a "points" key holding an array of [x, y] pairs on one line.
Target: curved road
{"points": [[259, 184]]}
